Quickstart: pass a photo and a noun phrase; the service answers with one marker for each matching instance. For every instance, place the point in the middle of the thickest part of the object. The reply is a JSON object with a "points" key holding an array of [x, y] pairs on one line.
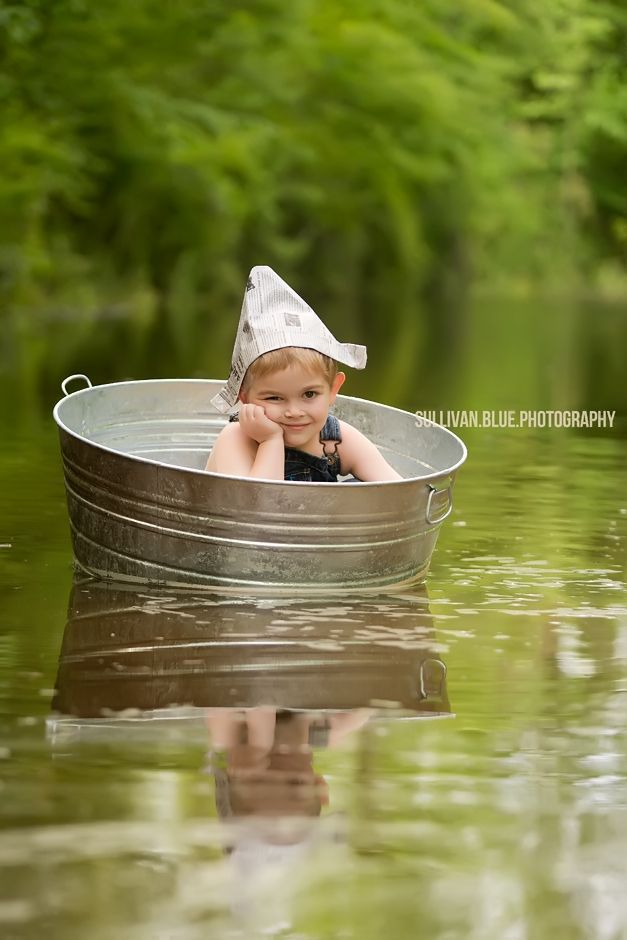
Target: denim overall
{"points": [[305, 468]]}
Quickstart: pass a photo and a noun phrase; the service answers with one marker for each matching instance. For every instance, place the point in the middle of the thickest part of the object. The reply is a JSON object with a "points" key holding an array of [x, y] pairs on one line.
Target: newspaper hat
{"points": [[274, 316]]}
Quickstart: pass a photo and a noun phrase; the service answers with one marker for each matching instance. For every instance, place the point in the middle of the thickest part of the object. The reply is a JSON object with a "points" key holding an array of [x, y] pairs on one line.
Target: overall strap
{"points": [[331, 430]]}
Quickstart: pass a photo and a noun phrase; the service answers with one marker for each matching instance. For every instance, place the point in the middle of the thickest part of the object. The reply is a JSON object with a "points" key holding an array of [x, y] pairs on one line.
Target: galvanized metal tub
{"points": [[142, 507]]}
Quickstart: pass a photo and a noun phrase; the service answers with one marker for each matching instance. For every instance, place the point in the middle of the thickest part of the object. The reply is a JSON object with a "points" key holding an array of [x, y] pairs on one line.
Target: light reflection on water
{"points": [[506, 821]]}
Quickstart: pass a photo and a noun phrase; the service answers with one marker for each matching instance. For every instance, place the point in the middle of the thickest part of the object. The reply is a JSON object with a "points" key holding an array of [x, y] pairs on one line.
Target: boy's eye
{"points": [[271, 398], [310, 393]]}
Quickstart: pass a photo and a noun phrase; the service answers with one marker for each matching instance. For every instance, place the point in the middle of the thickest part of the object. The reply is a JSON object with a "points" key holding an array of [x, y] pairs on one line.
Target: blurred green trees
{"points": [[375, 153]]}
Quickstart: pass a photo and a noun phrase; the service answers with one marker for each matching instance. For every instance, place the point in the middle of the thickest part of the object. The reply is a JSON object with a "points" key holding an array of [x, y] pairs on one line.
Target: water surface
{"points": [[448, 763]]}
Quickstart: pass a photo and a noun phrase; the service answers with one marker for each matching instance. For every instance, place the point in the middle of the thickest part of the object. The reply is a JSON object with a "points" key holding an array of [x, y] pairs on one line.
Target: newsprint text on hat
{"points": [[274, 316]]}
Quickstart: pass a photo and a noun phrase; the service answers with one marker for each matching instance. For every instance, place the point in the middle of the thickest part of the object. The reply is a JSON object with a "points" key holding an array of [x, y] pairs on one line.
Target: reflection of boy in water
{"points": [[270, 794], [269, 759]]}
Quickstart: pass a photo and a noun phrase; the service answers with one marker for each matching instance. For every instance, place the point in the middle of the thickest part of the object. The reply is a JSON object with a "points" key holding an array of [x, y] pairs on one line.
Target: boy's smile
{"points": [[298, 401]]}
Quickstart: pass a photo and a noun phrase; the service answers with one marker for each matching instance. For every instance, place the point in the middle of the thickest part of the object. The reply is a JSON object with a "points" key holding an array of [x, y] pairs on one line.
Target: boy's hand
{"points": [[255, 424]]}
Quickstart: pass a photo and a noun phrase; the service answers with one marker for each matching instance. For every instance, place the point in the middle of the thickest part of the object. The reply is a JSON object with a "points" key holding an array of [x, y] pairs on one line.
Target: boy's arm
{"points": [[236, 453], [360, 457]]}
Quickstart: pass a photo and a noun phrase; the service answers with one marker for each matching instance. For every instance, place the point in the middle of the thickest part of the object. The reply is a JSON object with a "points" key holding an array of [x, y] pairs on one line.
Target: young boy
{"points": [[285, 375]]}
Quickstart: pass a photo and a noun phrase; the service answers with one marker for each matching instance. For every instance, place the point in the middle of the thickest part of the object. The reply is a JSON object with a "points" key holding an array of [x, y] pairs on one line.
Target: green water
{"points": [[507, 820]]}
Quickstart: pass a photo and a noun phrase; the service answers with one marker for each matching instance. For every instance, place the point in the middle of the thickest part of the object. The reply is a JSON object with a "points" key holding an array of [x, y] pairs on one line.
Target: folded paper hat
{"points": [[274, 316]]}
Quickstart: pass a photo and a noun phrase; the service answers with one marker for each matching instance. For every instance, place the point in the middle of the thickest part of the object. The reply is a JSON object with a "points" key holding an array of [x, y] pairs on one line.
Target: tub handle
{"points": [[449, 504], [429, 687], [70, 378]]}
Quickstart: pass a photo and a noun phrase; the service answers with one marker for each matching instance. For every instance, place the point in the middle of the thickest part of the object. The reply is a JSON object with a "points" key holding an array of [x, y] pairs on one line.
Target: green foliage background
{"points": [[382, 156]]}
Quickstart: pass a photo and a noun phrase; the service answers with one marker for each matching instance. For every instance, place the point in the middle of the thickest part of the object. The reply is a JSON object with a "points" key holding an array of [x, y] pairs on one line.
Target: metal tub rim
{"points": [[448, 471]]}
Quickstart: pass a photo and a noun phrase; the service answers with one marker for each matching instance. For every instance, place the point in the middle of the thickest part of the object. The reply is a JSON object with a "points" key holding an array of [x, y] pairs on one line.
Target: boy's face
{"points": [[296, 399]]}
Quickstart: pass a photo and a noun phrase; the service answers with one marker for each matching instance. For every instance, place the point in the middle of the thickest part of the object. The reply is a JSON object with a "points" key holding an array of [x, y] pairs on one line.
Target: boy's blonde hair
{"points": [[278, 359]]}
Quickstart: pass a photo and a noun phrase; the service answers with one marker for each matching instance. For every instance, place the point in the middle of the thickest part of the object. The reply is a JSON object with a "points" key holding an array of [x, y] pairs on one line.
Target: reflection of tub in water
{"points": [[142, 508], [324, 668], [152, 650]]}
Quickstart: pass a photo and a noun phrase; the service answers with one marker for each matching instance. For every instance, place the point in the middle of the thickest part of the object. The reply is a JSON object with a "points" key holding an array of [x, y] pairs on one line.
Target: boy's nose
{"points": [[293, 408]]}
